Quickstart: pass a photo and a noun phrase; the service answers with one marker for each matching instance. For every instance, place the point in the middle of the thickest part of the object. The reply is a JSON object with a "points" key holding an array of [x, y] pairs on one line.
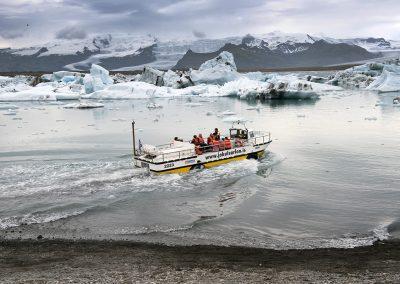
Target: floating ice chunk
{"points": [[84, 105], [234, 118], [193, 104], [153, 105], [228, 112], [253, 108], [10, 112], [218, 70], [371, 118]]}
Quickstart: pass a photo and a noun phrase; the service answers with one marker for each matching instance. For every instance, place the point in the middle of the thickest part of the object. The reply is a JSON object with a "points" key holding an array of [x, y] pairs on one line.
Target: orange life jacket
{"points": [[228, 144], [221, 145], [215, 144], [201, 140], [198, 150]]}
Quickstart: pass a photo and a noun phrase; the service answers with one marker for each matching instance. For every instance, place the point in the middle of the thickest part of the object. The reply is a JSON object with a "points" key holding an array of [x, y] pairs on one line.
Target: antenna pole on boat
{"points": [[133, 138]]}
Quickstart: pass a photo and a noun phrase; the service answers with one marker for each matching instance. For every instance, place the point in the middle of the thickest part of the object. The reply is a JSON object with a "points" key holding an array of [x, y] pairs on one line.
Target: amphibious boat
{"points": [[181, 157]]}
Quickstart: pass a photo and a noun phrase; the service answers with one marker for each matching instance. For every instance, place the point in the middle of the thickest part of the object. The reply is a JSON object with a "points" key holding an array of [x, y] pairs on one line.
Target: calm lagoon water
{"points": [[331, 176]]}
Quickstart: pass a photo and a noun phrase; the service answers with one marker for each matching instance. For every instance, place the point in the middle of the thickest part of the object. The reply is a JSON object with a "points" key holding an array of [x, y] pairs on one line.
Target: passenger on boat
{"points": [[215, 145], [210, 139], [195, 140], [228, 144], [201, 140], [216, 134], [198, 150], [221, 145]]}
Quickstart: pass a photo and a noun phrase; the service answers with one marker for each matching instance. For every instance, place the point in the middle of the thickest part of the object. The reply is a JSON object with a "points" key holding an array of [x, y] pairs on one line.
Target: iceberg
{"points": [[218, 70], [130, 90], [97, 80], [40, 93], [152, 76], [382, 77], [388, 81], [14, 84]]}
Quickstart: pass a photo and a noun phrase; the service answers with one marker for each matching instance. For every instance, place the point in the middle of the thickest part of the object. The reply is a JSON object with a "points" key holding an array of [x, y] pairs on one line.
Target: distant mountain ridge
{"points": [[251, 57], [129, 52]]}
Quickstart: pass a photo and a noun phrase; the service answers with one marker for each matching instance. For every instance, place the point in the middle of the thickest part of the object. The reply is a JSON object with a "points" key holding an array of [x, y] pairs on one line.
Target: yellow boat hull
{"points": [[208, 165]]}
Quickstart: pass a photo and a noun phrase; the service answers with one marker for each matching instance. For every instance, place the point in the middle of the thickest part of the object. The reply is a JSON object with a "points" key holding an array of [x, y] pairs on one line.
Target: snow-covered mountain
{"points": [[128, 52]]}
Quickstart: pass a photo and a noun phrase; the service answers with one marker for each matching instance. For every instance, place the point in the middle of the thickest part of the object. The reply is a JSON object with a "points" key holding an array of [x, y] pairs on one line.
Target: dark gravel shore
{"points": [[114, 262]]}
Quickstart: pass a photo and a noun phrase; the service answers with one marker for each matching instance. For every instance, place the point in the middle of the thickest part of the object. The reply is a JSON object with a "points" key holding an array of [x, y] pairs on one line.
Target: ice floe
{"points": [[84, 105], [40, 93]]}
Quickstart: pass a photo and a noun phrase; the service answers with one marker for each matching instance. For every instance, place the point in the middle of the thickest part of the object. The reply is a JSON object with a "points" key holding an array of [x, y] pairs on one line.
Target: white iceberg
{"points": [[218, 70], [130, 90], [284, 87], [40, 93], [97, 80], [388, 81], [382, 77], [14, 84], [152, 76], [171, 79]]}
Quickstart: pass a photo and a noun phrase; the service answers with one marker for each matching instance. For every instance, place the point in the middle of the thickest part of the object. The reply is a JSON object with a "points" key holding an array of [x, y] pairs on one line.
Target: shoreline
{"points": [[123, 261]]}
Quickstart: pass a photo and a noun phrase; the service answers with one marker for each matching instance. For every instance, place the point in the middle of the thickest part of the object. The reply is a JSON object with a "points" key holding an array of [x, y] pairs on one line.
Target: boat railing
{"points": [[261, 138]]}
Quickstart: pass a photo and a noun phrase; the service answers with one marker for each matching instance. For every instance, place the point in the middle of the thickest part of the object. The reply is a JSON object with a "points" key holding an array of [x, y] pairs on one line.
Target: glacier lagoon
{"points": [[330, 179]]}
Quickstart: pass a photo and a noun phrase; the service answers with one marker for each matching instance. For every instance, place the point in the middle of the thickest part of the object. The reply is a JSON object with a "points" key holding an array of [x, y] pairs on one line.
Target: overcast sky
{"points": [[24, 22]]}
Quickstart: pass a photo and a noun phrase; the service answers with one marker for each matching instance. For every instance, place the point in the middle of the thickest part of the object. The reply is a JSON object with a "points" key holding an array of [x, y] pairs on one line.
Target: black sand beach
{"points": [[58, 261]]}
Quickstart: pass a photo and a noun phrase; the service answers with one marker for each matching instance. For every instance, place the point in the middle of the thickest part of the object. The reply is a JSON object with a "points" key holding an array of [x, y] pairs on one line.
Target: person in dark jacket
{"points": [[216, 134]]}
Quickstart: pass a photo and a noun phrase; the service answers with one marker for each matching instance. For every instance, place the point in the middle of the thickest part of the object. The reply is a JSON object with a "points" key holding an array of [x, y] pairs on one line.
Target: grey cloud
{"points": [[186, 18], [10, 35], [71, 32], [198, 34]]}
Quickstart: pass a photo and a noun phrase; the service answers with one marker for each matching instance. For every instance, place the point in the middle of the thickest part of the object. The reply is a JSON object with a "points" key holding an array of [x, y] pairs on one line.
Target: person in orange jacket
{"points": [[215, 144], [227, 143], [221, 145]]}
